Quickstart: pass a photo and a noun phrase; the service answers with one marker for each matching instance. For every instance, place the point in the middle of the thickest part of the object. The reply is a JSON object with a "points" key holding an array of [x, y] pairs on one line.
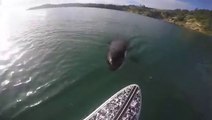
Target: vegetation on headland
{"points": [[199, 19]]}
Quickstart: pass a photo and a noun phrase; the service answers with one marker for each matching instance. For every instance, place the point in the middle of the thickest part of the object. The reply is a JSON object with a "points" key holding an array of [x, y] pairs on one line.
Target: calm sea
{"points": [[53, 65]]}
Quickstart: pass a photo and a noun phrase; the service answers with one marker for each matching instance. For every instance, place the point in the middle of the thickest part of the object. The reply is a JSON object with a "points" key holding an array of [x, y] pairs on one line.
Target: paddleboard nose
{"points": [[124, 105]]}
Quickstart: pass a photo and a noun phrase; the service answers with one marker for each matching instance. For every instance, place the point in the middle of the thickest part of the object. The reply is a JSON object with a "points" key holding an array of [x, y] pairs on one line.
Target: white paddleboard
{"points": [[124, 105]]}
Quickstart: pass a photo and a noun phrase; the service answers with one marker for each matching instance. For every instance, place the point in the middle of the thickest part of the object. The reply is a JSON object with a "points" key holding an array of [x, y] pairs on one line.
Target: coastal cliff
{"points": [[199, 20]]}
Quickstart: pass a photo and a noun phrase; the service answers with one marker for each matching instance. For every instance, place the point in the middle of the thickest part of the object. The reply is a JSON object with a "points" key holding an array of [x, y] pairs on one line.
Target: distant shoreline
{"points": [[197, 20]]}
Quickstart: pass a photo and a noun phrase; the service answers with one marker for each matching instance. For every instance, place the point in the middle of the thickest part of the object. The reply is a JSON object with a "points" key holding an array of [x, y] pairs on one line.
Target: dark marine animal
{"points": [[116, 53]]}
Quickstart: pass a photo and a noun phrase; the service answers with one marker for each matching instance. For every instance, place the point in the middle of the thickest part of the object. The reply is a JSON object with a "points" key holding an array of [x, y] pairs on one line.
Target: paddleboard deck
{"points": [[124, 105]]}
